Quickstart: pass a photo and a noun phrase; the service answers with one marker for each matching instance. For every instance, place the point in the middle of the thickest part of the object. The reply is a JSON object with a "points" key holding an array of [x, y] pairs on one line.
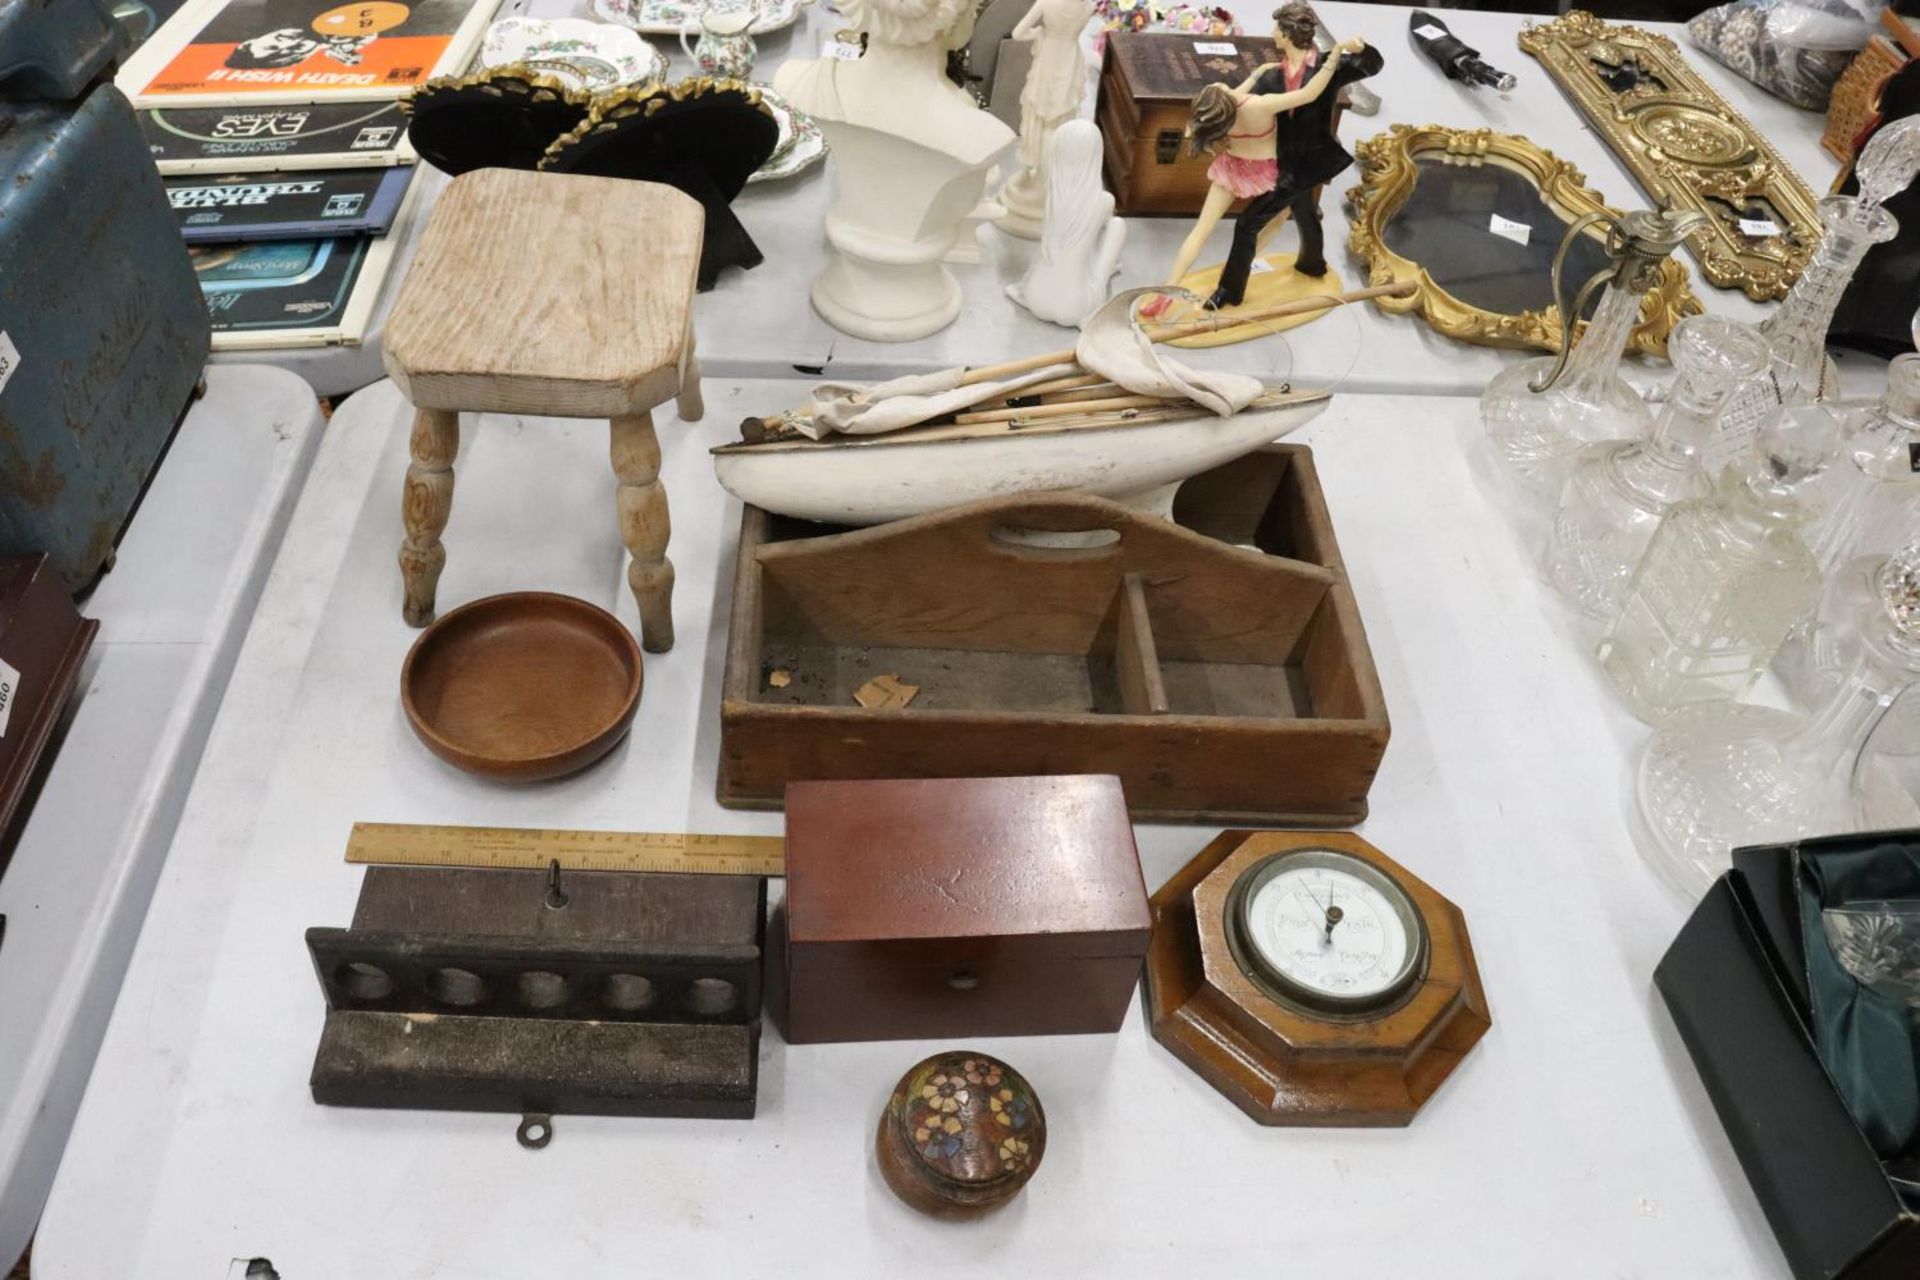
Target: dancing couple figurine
{"points": [[1273, 144]]}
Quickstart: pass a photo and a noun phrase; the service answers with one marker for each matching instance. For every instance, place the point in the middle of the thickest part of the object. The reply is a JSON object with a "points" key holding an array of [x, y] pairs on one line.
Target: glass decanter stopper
{"points": [[1797, 330], [1539, 413], [1724, 578], [1716, 777], [1617, 492]]}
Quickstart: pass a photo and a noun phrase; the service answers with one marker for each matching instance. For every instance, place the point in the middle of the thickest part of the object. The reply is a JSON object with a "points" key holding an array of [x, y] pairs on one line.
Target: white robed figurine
{"points": [[1056, 86], [1080, 241]]}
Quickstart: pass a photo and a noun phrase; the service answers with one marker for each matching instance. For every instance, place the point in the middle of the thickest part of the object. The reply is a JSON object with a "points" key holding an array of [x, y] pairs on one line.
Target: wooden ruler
{"points": [[442, 846]]}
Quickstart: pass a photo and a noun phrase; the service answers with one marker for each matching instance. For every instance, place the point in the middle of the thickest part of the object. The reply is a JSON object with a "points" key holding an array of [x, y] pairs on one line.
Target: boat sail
{"points": [[1115, 416]]}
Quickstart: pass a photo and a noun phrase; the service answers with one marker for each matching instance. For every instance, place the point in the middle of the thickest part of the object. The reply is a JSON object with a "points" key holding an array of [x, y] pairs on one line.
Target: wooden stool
{"points": [[552, 295]]}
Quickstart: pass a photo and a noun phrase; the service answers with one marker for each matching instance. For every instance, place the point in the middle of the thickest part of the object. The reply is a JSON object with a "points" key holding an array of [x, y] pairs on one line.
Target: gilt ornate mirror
{"points": [[1474, 218]]}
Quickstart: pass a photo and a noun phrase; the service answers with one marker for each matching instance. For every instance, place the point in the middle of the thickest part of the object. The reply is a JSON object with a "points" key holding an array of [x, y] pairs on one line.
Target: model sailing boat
{"points": [[1113, 416]]}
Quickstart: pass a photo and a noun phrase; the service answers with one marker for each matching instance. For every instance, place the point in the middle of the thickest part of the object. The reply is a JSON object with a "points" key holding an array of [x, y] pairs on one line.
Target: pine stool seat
{"points": [[549, 295]]}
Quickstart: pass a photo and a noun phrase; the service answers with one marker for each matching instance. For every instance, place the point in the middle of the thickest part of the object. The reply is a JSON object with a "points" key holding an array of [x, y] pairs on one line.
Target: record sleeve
{"points": [[288, 205], [296, 293], [233, 51], [252, 138]]}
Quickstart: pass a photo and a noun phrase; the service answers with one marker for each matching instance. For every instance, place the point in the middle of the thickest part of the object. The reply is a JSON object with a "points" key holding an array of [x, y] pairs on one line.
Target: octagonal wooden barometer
{"points": [[1311, 979]]}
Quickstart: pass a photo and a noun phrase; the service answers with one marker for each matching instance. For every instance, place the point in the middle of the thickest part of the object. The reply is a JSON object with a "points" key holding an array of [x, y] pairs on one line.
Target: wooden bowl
{"points": [[522, 686]]}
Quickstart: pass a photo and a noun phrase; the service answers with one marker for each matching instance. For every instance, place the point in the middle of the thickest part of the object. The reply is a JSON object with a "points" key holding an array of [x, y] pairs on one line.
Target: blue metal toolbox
{"points": [[103, 329], [56, 48]]}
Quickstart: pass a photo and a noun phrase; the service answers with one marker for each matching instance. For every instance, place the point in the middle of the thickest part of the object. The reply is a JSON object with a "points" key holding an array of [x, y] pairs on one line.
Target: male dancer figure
{"points": [[1305, 148]]}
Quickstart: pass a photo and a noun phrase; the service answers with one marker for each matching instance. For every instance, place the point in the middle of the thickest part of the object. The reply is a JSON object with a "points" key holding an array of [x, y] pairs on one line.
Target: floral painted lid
{"points": [[970, 1120]]}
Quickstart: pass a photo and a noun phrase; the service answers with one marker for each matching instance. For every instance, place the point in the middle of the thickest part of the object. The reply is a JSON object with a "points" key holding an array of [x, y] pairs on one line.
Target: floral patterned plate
{"points": [[669, 17], [590, 56], [801, 143]]}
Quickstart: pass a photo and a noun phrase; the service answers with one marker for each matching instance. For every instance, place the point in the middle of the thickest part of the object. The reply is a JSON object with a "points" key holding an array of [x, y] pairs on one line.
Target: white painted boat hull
{"points": [[869, 480]]}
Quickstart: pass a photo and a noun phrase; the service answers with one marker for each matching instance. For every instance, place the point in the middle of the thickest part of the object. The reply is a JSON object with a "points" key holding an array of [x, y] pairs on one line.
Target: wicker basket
{"points": [[1856, 96]]}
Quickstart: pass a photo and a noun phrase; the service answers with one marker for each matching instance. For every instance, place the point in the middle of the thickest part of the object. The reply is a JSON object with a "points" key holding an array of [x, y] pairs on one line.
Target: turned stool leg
{"points": [[691, 404], [425, 505], [644, 527]]}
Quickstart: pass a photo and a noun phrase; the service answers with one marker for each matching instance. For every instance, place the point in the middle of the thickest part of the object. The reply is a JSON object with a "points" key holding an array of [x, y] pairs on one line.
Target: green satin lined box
{"points": [[1736, 981]]}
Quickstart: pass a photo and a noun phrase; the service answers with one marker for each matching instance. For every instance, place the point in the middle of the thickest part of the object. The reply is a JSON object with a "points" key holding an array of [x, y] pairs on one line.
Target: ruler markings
{"points": [[508, 847]]}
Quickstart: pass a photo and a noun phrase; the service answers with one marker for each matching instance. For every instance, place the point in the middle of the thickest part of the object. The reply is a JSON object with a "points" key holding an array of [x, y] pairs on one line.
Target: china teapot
{"points": [[725, 49]]}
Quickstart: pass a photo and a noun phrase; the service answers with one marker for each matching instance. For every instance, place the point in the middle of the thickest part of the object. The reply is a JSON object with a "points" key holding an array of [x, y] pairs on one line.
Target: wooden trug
{"points": [[1220, 683]]}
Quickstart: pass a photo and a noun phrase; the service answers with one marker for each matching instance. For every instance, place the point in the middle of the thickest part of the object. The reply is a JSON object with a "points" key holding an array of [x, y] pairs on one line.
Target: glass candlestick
{"points": [[1724, 578], [1796, 332], [1716, 777], [1617, 492], [1539, 413]]}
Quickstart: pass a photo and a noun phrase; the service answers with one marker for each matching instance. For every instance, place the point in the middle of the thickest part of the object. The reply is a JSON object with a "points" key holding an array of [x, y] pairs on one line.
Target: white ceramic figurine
{"points": [[1080, 241], [1056, 85]]}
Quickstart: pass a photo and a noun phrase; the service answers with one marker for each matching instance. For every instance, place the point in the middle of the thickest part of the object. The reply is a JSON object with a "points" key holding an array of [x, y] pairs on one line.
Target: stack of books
{"points": [[276, 125]]}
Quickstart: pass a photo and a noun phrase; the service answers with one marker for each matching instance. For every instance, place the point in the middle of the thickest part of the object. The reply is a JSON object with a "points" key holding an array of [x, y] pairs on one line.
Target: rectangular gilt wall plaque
{"points": [[1687, 148]]}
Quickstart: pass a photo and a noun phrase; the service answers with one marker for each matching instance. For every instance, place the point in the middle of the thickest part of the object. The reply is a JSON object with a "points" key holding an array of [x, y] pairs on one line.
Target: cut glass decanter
{"points": [[1617, 492], [1724, 578], [1720, 776], [1539, 413], [1796, 332]]}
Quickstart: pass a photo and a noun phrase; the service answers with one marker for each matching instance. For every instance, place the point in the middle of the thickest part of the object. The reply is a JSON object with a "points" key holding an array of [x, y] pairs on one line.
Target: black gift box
{"points": [[1735, 981]]}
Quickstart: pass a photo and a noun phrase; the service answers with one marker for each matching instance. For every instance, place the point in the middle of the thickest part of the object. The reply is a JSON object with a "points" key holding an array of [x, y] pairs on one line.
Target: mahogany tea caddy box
{"points": [[1147, 83], [965, 907]]}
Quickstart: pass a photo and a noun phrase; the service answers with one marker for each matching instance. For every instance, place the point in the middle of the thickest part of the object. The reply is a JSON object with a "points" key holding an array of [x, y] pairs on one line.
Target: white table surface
{"points": [[1574, 1141], [172, 615], [760, 323]]}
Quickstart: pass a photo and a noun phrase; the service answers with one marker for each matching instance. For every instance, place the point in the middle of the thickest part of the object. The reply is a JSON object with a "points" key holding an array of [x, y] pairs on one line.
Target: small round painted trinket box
{"points": [[961, 1135]]}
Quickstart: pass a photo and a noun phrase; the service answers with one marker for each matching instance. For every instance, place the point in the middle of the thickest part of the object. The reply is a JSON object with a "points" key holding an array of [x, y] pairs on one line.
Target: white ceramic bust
{"points": [[1056, 86], [1080, 239], [911, 157]]}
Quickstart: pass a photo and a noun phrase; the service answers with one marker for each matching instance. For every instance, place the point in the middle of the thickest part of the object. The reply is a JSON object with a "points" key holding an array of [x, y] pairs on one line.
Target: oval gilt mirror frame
{"points": [[1496, 216]]}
